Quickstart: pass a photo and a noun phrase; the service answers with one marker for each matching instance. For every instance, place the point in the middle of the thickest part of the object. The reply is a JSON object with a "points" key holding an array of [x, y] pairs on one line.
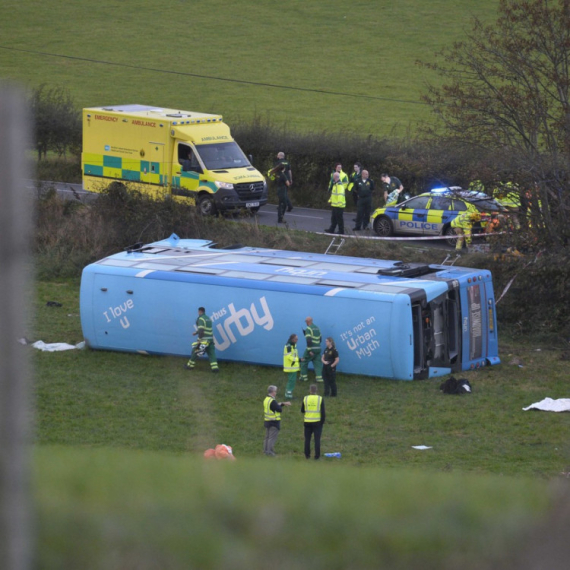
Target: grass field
{"points": [[151, 403], [226, 57]]}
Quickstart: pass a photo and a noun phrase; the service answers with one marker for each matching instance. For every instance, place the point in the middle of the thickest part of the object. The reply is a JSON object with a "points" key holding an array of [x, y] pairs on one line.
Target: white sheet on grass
{"points": [[550, 405], [56, 346]]}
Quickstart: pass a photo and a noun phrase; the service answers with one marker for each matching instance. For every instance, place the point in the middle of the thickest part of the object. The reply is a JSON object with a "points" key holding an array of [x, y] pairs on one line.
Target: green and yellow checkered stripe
{"points": [[123, 168]]}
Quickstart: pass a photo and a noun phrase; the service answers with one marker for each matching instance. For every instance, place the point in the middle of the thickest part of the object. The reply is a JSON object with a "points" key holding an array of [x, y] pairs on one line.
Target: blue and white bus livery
{"points": [[389, 319]]}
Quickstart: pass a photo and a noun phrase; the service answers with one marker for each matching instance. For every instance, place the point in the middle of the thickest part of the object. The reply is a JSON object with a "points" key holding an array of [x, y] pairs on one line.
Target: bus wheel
{"points": [[206, 205], [449, 231], [383, 226]]}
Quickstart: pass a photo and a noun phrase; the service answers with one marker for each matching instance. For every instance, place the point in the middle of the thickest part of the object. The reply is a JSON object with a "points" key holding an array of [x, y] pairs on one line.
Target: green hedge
{"points": [[69, 235]]}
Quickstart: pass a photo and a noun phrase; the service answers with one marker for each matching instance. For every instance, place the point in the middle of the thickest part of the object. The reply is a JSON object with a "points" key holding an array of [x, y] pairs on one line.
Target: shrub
{"points": [[57, 122]]}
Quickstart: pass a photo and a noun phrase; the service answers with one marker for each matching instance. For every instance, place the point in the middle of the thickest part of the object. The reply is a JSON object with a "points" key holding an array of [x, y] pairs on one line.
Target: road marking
{"points": [[301, 216]]}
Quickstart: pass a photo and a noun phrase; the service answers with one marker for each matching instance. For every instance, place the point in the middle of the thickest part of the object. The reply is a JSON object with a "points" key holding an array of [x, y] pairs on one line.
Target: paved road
{"points": [[306, 219], [314, 220]]}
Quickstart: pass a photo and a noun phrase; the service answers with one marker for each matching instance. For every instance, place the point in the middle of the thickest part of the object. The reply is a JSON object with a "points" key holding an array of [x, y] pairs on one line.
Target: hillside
{"points": [[312, 65]]}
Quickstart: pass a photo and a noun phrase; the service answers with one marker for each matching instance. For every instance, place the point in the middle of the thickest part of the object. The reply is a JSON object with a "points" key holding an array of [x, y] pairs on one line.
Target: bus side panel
{"points": [[86, 306], [401, 338], [372, 336], [250, 325]]}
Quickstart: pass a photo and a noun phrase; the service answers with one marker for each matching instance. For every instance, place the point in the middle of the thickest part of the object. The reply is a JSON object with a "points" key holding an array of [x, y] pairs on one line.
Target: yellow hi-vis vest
{"points": [[270, 415], [313, 408], [337, 199], [466, 219], [290, 359], [508, 195], [343, 178]]}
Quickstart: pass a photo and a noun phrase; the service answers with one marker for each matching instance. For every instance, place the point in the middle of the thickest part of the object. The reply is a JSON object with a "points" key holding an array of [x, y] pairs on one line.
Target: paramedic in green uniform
{"points": [[355, 177], [291, 364], [205, 342], [393, 190], [312, 352]]}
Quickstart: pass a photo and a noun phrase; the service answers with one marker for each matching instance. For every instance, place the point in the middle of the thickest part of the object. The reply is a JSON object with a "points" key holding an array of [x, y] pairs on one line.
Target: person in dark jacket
{"points": [[330, 360], [282, 160], [282, 185], [272, 420], [393, 190], [364, 187]]}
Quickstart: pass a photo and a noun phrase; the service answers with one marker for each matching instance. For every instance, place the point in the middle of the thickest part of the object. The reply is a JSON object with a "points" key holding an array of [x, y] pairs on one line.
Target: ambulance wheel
{"points": [[449, 231], [206, 205], [383, 226]]}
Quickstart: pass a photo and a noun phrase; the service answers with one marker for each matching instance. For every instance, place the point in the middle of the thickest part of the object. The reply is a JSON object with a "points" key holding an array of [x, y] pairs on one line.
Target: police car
{"points": [[431, 213]]}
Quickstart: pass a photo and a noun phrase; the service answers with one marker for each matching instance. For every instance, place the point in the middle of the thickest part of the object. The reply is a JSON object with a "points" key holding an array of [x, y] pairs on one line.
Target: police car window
{"points": [[440, 203], [488, 205], [417, 202], [459, 205]]}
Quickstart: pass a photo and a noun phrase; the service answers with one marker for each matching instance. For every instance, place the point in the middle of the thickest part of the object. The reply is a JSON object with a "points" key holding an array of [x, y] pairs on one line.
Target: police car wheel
{"points": [[383, 226], [449, 231], [206, 205]]}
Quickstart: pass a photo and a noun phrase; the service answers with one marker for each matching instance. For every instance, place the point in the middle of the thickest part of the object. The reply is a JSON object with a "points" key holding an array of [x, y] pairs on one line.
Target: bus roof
{"points": [[200, 257]]}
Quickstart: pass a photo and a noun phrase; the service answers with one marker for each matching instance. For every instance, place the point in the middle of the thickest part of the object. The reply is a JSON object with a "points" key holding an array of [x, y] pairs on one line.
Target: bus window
{"points": [[453, 328], [440, 348], [418, 338]]}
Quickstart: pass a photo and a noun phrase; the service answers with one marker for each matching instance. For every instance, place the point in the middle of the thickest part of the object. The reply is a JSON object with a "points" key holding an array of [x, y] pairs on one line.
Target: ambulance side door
{"points": [[186, 171]]}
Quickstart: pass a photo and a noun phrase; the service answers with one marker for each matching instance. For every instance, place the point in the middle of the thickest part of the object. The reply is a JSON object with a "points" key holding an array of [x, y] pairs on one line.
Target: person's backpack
{"points": [[453, 386]]}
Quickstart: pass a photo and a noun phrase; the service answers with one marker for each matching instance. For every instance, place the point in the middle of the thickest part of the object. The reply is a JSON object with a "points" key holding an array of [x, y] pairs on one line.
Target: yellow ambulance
{"points": [[164, 152]]}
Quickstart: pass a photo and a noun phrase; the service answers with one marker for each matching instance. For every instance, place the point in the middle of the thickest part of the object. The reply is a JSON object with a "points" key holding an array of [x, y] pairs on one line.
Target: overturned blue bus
{"points": [[388, 318]]}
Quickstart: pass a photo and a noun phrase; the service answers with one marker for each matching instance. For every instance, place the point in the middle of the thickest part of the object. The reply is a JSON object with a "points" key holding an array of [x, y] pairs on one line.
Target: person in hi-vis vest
{"points": [[291, 364], [272, 420], [313, 410]]}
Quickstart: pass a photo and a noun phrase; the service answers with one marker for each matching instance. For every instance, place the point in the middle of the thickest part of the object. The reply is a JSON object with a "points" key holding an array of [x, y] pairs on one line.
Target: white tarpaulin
{"points": [[550, 405], [56, 346]]}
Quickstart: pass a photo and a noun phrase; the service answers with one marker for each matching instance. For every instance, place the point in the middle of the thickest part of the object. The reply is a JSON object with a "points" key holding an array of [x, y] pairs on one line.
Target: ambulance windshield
{"points": [[221, 156]]}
